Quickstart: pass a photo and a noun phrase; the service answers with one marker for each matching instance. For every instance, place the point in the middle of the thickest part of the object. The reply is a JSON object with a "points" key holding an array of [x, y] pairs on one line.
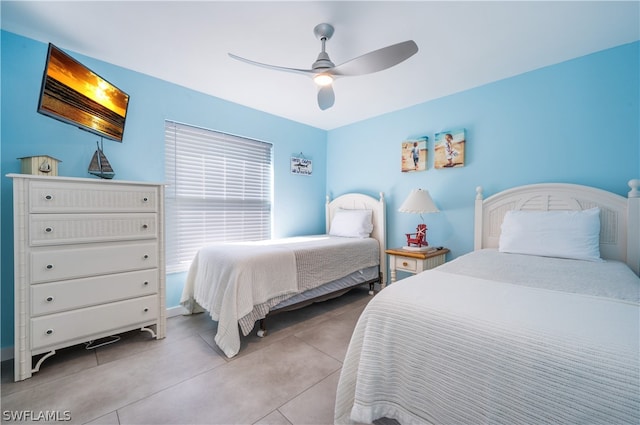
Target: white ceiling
{"points": [[462, 45]]}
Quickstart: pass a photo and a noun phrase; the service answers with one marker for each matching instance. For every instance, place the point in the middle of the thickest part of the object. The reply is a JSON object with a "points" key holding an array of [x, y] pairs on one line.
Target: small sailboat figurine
{"points": [[100, 166]]}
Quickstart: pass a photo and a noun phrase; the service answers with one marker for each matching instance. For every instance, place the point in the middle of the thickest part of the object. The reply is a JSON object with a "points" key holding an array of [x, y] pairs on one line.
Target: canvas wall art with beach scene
{"points": [[414, 155], [449, 148]]}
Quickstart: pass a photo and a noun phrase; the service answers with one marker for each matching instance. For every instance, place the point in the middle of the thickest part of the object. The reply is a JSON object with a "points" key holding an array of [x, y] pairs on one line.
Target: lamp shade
{"points": [[418, 202]]}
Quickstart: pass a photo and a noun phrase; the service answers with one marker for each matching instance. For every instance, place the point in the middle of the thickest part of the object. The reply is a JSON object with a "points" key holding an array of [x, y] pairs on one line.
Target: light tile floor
{"points": [[288, 377]]}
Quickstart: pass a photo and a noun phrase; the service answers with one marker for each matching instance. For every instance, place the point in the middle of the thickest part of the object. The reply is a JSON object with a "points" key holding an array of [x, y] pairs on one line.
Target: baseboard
{"points": [[6, 353], [176, 311]]}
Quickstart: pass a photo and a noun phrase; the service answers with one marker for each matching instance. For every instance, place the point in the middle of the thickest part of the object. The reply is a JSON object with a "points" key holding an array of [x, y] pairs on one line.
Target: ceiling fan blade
{"points": [[326, 97], [377, 60], [307, 72]]}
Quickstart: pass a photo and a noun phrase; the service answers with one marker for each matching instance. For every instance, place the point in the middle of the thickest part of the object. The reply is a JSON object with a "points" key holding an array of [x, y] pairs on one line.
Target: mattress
{"points": [[239, 283], [447, 347]]}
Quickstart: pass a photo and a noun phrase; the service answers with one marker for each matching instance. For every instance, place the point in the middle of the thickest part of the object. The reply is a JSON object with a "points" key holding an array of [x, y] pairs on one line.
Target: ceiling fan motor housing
{"points": [[323, 32], [323, 62]]}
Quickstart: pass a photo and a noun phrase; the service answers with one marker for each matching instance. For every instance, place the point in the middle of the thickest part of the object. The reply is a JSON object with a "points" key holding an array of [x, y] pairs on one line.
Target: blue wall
{"points": [[140, 157], [575, 122]]}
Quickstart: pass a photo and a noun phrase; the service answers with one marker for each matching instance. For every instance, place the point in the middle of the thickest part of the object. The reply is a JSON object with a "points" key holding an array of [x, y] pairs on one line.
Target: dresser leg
{"points": [[153, 334], [45, 357]]}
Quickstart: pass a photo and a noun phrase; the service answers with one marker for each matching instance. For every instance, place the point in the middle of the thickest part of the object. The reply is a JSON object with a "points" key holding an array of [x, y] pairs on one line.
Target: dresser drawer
{"points": [[79, 324], [53, 297], [52, 197], [71, 262], [56, 229], [406, 264]]}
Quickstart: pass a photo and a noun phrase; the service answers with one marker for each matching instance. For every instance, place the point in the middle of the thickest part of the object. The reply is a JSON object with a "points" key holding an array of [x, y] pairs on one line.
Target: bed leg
{"points": [[371, 288], [262, 332]]}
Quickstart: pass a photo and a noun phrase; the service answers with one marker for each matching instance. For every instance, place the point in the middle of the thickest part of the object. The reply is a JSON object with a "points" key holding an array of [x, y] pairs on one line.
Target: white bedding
{"points": [[609, 279], [238, 283], [448, 348]]}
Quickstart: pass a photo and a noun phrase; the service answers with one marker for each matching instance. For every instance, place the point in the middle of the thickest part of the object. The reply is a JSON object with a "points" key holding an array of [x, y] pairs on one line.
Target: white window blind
{"points": [[218, 190]]}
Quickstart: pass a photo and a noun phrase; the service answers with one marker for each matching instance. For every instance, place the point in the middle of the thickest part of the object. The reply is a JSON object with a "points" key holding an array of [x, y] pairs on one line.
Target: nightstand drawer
{"points": [[414, 261], [406, 264]]}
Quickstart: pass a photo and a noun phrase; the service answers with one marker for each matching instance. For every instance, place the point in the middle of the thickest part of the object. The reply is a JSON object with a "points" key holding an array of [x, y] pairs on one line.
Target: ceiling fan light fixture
{"points": [[323, 71], [323, 79]]}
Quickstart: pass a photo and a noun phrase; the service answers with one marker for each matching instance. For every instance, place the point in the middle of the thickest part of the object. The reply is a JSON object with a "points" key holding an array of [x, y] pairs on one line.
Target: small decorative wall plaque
{"points": [[301, 165]]}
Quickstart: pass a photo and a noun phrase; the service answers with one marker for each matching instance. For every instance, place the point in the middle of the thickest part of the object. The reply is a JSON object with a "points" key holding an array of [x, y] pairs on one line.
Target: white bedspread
{"points": [[446, 348], [609, 279], [238, 283], [228, 280]]}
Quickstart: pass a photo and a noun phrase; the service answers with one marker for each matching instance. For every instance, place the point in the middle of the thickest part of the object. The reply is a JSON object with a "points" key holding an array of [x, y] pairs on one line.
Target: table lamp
{"points": [[418, 202]]}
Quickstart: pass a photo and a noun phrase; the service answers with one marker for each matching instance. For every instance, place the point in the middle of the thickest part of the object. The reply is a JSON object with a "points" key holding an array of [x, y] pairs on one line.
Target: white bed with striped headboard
{"points": [[359, 201], [244, 282], [501, 337], [619, 216]]}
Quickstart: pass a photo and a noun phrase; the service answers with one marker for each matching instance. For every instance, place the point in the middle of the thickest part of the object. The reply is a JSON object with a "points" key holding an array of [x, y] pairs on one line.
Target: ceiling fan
{"points": [[323, 71]]}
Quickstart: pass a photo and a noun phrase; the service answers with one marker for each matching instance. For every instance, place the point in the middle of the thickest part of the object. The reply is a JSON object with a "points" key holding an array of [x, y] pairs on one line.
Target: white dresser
{"points": [[89, 263]]}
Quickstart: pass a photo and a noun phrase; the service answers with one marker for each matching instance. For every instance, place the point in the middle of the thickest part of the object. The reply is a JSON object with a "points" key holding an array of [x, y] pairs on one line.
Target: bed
{"points": [[239, 284], [513, 332]]}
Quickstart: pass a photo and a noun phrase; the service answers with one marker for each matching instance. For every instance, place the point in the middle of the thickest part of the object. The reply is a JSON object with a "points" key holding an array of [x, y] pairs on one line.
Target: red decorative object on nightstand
{"points": [[419, 239]]}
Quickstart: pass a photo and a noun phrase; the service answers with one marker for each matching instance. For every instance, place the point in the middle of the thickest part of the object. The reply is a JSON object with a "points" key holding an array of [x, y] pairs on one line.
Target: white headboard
{"points": [[359, 201], [619, 216]]}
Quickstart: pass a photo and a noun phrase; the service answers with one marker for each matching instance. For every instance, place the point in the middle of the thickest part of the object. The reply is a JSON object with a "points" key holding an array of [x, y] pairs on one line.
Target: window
{"points": [[218, 190]]}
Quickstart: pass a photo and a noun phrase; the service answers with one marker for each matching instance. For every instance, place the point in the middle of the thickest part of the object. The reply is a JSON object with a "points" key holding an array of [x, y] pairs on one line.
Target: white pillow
{"points": [[563, 234], [351, 223]]}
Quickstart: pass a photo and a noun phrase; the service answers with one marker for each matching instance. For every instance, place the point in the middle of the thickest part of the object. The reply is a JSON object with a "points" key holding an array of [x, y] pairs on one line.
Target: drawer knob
{"points": [[145, 199], [145, 256], [49, 332], [48, 197], [146, 309], [404, 263], [145, 226], [49, 298], [146, 283], [48, 229], [49, 266]]}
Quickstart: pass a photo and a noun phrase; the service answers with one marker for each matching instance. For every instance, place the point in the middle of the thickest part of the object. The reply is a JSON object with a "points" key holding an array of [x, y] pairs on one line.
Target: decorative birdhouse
{"points": [[42, 165]]}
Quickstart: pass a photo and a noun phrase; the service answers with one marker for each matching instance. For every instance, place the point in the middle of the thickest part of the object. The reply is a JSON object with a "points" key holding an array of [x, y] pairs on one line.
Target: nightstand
{"points": [[414, 261]]}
